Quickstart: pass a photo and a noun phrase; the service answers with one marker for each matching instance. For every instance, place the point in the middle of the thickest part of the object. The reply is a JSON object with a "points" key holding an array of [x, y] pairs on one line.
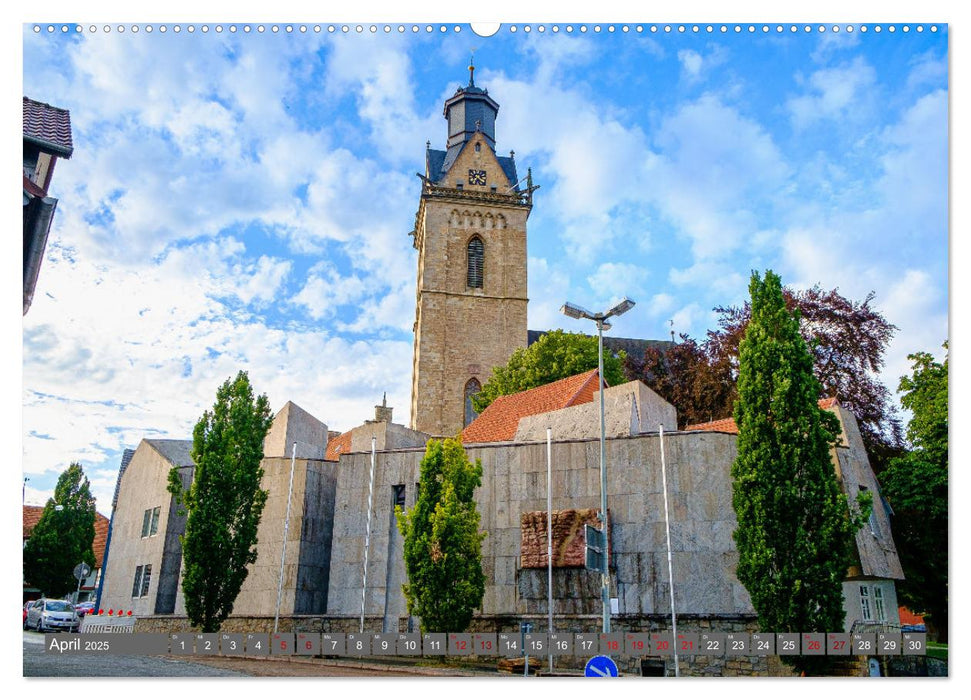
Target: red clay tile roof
{"points": [[908, 617], [338, 446], [32, 516], [500, 420], [100, 538], [727, 425], [48, 126]]}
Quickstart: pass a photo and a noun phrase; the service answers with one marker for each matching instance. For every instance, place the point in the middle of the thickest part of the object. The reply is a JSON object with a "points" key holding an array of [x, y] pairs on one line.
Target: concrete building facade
{"points": [[144, 569]]}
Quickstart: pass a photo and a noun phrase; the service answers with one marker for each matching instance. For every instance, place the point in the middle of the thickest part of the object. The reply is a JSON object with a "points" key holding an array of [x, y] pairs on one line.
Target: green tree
{"points": [[224, 502], [555, 355], [795, 535], [442, 542], [63, 538], [916, 487]]}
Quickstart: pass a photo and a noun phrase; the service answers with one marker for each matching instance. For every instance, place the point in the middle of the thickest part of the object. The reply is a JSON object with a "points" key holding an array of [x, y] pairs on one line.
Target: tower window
{"points": [[476, 260], [398, 496], [472, 387]]}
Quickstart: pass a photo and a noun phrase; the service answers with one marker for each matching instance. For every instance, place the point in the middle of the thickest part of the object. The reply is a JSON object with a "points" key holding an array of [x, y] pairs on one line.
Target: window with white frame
{"points": [[878, 604], [136, 586], [865, 604], [146, 579], [150, 521], [143, 578]]}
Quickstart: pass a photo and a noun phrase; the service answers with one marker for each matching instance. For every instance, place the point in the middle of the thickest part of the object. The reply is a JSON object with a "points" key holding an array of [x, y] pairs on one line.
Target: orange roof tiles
{"points": [[32, 516], [500, 420], [727, 425], [338, 446], [100, 538]]}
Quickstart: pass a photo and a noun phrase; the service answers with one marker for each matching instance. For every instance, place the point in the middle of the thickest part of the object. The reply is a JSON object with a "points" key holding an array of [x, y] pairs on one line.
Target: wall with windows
{"points": [[142, 537], [870, 602]]}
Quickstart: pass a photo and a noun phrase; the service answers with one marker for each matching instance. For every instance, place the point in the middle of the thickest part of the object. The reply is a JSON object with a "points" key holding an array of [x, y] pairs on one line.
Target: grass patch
{"points": [[937, 650]]}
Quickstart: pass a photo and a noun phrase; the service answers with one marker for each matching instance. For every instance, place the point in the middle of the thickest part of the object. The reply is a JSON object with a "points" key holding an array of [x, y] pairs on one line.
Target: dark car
{"points": [[84, 608], [46, 614]]}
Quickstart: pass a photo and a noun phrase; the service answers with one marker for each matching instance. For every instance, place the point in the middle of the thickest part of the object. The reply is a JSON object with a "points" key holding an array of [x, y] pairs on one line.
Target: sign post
{"points": [[594, 548], [81, 572]]}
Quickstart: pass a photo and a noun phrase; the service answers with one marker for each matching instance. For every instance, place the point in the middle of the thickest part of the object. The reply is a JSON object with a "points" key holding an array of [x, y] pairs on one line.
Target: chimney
{"points": [[382, 413]]}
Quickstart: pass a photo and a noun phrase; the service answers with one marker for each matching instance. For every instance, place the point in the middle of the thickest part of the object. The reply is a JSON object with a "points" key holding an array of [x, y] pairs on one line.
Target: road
{"points": [[38, 663]]}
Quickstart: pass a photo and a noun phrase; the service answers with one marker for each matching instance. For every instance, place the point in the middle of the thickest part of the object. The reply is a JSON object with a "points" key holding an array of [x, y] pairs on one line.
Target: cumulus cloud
{"points": [[833, 94]]}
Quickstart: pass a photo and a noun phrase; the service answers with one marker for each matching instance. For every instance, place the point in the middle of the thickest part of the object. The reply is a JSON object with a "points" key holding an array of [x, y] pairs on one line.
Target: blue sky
{"points": [[242, 201]]}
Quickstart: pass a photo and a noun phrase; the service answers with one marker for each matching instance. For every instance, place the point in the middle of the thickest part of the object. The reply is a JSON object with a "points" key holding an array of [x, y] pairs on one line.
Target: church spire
{"points": [[472, 71]]}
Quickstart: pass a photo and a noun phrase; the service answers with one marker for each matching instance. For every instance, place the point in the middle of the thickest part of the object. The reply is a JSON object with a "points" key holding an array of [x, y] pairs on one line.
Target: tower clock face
{"points": [[477, 177]]}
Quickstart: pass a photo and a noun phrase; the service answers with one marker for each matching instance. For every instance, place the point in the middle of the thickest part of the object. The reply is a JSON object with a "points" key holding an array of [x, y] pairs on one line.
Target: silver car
{"points": [[50, 615]]}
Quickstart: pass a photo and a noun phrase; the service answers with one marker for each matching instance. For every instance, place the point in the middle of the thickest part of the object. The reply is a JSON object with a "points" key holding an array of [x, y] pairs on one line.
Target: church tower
{"points": [[470, 233]]}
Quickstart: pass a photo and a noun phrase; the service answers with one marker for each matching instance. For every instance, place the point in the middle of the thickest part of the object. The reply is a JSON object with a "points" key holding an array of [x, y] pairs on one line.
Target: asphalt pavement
{"points": [[39, 663]]}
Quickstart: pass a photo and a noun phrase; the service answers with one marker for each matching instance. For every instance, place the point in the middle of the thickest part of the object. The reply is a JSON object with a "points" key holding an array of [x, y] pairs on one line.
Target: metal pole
{"points": [[605, 576], [667, 532], [549, 537], [286, 530], [367, 535]]}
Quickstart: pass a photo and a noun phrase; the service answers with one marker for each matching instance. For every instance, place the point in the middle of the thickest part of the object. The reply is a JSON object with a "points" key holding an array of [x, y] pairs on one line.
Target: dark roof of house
{"points": [[125, 460], [634, 347], [48, 127], [500, 420], [727, 425], [437, 165], [178, 452]]}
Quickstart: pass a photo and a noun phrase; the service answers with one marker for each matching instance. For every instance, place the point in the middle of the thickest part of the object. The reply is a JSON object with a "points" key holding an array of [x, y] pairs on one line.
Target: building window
{"points": [[865, 604], [476, 262], [143, 577], [398, 496], [878, 604], [136, 585], [150, 521], [472, 387], [146, 579]]}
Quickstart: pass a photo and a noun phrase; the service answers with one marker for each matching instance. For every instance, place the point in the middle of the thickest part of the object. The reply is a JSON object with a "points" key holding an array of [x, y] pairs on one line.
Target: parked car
{"points": [[84, 608], [46, 614], [27, 605]]}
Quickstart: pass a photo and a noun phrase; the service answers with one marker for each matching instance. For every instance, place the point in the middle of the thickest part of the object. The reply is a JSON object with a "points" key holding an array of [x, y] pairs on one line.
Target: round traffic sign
{"points": [[600, 667], [82, 571]]}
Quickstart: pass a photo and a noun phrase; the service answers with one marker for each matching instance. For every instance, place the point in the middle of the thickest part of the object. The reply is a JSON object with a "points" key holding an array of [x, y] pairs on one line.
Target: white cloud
{"points": [[834, 94], [613, 281]]}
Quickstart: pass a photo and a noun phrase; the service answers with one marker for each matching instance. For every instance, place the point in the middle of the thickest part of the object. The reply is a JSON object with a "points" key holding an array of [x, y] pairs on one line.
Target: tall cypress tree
{"points": [[63, 538], [224, 502], [795, 533], [443, 545]]}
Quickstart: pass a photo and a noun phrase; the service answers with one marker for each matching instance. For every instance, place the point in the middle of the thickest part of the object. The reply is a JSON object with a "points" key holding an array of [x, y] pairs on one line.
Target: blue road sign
{"points": [[600, 667]]}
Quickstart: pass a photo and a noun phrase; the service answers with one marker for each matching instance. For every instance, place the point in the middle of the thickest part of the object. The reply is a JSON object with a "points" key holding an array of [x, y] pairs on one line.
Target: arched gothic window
{"points": [[476, 261], [472, 387]]}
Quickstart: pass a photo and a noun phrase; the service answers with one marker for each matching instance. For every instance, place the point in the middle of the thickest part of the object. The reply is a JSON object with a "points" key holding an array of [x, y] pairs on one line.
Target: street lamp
{"points": [[574, 311]]}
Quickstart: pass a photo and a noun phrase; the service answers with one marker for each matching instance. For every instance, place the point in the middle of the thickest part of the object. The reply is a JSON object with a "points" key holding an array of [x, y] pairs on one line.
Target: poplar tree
{"points": [[63, 538], [442, 542], [795, 534], [224, 502]]}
